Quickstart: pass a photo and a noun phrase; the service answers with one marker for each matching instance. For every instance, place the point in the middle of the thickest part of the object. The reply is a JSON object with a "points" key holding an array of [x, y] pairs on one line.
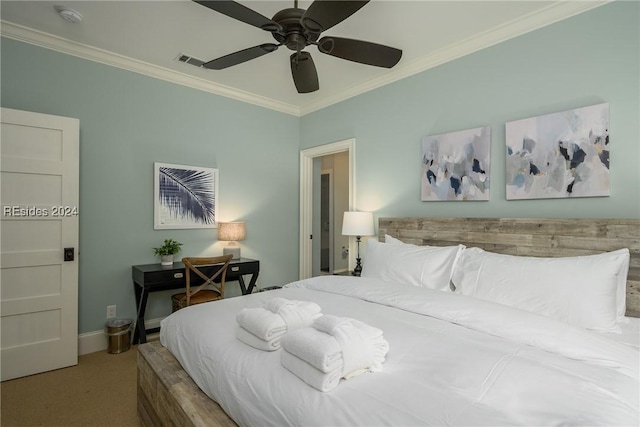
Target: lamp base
{"points": [[234, 250], [358, 270]]}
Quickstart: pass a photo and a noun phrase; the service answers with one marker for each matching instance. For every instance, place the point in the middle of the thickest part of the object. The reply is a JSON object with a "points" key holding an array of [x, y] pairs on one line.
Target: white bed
{"points": [[453, 360], [468, 344]]}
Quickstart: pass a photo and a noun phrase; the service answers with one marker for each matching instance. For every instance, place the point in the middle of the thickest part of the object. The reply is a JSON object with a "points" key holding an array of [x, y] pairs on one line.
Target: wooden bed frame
{"points": [[168, 397]]}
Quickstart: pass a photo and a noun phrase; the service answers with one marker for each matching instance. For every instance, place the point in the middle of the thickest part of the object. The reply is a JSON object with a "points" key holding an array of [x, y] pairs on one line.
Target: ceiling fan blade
{"points": [[304, 72], [360, 51], [324, 14], [242, 13], [240, 56]]}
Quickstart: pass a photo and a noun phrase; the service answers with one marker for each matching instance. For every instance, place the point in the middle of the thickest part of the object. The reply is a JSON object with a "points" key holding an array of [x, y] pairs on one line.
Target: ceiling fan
{"points": [[298, 28]]}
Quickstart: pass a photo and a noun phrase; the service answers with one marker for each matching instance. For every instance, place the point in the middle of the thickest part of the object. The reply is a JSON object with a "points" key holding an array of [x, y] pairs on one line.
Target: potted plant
{"points": [[167, 250]]}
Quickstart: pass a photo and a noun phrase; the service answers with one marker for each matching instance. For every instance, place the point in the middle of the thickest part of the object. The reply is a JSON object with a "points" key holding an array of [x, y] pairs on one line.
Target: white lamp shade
{"points": [[358, 224], [232, 231]]}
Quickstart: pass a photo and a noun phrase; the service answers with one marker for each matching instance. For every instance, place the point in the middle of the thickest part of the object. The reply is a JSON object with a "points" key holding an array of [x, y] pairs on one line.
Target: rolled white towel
{"points": [[363, 346], [317, 348], [296, 314], [323, 381], [274, 304], [277, 316], [255, 342], [262, 323], [329, 323]]}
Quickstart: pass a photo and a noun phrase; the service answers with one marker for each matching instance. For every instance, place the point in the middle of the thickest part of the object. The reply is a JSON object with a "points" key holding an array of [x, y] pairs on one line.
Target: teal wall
{"points": [[128, 122], [585, 60]]}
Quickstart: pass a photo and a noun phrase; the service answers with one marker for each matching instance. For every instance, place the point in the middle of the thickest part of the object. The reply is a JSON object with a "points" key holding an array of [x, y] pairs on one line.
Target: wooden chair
{"points": [[202, 294]]}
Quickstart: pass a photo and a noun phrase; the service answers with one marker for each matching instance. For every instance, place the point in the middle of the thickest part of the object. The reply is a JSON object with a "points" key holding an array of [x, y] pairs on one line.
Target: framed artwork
{"points": [[185, 196], [456, 165], [559, 155]]}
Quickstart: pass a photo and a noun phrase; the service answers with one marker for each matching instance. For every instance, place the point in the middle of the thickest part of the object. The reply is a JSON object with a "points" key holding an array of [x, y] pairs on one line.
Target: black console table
{"points": [[155, 277]]}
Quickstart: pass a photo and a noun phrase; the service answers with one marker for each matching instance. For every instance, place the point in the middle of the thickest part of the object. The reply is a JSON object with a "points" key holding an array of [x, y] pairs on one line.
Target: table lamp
{"points": [[232, 232], [357, 224]]}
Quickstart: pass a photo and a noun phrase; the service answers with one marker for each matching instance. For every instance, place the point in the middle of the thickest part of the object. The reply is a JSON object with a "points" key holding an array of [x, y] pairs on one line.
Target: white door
{"points": [[38, 288]]}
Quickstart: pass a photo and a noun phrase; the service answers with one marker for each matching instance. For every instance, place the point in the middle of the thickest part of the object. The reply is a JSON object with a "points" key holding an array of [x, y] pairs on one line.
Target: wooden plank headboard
{"points": [[528, 237]]}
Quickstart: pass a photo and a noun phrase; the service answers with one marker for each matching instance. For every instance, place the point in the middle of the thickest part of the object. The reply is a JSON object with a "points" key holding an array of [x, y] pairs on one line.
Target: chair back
{"points": [[191, 267]]}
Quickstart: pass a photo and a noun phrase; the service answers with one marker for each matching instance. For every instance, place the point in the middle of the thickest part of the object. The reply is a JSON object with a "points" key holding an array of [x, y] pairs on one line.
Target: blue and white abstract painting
{"points": [[457, 165], [185, 196], [559, 155]]}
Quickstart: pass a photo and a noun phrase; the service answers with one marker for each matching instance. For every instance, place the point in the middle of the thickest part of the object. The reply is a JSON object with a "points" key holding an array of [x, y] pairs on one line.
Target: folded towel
{"points": [[319, 349], [330, 323], [296, 314], [315, 378], [272, 321], [262, 323], [357, 350], [274, 304], [363, 346], [352, 347], [255, 342]]}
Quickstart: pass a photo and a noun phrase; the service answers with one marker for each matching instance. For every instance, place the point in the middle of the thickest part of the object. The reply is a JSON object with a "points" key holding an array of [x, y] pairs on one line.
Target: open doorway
{"points": [[326, 222], [330, 255], [311, 166]]}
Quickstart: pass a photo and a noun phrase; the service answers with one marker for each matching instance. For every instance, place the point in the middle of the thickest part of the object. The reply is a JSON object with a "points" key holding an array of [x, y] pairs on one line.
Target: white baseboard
{"points": [[91, 342]]}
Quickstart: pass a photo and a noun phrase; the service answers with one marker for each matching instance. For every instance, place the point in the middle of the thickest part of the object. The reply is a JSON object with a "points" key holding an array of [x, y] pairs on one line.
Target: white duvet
{"points": [[452, 360]]}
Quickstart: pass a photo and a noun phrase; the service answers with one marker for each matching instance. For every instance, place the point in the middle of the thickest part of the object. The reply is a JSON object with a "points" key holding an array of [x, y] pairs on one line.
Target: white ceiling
{"points": [[148, 36]]}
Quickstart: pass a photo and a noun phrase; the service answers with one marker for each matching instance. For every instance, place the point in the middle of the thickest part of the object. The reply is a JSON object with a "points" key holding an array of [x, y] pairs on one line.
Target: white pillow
{"points": [[392, 240], [582, 291], [424, 266], [622, 287]]}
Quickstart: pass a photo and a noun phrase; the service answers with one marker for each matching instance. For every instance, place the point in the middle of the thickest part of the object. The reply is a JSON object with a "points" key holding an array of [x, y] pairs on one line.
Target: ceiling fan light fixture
{"points": [[70, 15]]}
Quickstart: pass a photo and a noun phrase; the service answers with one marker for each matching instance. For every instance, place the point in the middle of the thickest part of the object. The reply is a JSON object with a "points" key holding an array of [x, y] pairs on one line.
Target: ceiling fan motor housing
{"points": [[293, 34]]}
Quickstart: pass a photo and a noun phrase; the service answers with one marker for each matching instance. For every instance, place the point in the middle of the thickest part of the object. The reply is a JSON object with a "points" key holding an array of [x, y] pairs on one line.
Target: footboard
{"points": [[167, 396]]}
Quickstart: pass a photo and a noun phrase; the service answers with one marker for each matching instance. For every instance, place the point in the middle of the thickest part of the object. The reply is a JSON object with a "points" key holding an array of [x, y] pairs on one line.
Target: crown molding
{"points": [[62, 45], [551, 14], [533, 21]]}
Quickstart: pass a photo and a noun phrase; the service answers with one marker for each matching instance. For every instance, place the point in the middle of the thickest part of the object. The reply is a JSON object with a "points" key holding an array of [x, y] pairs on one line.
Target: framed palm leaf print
{"points": [[185, 196]]}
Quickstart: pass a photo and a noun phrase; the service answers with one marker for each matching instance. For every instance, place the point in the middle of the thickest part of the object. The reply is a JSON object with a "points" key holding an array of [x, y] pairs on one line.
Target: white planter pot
{"points": [[166, 260]]}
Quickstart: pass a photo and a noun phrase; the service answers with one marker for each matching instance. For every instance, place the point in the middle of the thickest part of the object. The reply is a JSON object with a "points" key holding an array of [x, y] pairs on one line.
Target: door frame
{"points": [[306, 195]]}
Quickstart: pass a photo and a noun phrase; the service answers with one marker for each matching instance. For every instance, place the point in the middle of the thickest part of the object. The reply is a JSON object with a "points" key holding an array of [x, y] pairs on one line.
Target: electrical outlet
{"points": [[111, 311]]}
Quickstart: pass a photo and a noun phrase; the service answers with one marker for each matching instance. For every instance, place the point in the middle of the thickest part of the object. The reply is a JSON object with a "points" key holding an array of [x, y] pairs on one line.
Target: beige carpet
{"points": [[99, 391]]}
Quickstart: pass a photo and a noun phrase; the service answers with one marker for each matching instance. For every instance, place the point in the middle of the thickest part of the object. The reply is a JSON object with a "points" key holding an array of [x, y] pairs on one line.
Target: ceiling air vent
{"points": [[189, 60]]}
